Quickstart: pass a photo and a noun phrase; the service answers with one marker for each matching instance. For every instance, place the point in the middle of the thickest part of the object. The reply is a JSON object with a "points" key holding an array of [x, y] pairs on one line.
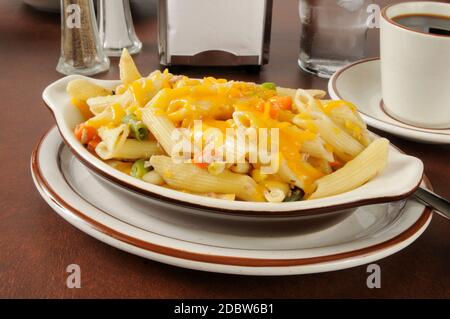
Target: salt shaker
{"points": [[81, 50], [116, 27]]}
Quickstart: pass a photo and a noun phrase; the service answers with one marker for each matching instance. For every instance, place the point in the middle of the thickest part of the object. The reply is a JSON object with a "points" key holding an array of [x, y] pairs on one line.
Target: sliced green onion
{"points": [[139, 131], [269, 86], [138, 169], [295, 195]]}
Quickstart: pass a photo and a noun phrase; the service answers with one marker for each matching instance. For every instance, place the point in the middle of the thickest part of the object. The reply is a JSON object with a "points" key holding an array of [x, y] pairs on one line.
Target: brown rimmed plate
{"points": [[217, 245]]}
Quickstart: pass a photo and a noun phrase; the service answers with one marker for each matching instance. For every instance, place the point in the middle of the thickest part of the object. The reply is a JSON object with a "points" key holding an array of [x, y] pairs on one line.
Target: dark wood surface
{"points": [[36, 245]]}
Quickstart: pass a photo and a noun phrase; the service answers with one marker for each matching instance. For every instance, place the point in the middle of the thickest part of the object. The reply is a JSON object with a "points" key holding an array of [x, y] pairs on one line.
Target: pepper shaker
{"points": [[116, 27], [81, 50]]}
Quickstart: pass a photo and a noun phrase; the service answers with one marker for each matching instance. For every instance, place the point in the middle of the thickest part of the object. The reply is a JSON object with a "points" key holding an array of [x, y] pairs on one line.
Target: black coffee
{"points": [[428, 23]]}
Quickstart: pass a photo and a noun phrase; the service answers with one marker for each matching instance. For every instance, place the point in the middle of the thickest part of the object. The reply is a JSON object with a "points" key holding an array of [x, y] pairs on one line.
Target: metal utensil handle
{"points": [[438, 203]]}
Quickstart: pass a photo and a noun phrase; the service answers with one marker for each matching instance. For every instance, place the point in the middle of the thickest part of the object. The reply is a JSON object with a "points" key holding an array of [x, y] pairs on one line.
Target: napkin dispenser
{"points": [[214, 32]]}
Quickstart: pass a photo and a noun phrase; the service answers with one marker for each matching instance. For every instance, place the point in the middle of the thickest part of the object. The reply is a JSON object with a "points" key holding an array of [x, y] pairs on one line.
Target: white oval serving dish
{"points": [[399, 180]]}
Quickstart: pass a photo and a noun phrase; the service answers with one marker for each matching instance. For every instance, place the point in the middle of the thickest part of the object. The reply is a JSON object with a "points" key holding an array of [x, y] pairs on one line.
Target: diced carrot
{"points": [[89, 133], [282, 102], [85, 133], [274, 111], [336, 164], [260, 106], [93, 144], [78, 131], [201, 165]]}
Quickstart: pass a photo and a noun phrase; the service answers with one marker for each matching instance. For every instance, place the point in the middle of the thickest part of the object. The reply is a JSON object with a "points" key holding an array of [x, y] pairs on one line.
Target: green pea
{"points": [[139, 131], [295, 195], [269, 86], [138, 169]]}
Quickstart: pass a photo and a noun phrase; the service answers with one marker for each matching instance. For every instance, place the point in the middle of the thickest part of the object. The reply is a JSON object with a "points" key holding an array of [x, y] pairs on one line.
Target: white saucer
{"points": [[360, 83], [207, 242]]}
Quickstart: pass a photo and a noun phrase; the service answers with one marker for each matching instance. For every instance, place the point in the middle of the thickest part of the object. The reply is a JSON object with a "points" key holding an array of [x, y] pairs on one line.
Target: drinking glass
{"points": [[333, 34]]}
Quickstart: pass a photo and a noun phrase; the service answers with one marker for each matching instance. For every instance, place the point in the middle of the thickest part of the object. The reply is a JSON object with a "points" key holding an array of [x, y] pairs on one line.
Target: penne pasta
{"points": [[304, 179], [153, 177], [133, 149], [305, 101], [317, 94], [349, 120], [161, 128], [322, 164], [144, 89], [82, 90], [187, 176], [343, 144], [112, 140], [110, 117], [241, 168], [99, 103], [286, 92], [317, 149], [275, 191], [101, 119], [288, 176], [128, 70], [356, 172]]}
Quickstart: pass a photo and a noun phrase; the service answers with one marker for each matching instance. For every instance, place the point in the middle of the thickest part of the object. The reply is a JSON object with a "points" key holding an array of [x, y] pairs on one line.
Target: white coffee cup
{"points": [[415, 67]]}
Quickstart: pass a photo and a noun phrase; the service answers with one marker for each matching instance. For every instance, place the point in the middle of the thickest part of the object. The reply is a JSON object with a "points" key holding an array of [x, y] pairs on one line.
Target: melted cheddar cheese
{"points": [[214, 102]]}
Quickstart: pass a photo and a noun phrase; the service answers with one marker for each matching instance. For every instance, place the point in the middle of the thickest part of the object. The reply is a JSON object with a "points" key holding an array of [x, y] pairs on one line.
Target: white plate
{"points": [[360, 83], [399, 180], [205, 243]]}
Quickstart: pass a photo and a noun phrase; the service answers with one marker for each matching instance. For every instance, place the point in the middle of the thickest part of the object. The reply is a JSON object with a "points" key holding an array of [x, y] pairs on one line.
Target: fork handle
{"points": [[438, 203]]}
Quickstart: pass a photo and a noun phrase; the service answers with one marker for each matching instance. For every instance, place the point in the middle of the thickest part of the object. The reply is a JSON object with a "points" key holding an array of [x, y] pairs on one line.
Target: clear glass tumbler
{"points": [[333, 34]]}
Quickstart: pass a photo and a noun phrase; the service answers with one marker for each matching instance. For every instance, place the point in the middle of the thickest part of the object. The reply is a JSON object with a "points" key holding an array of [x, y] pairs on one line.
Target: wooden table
{"points": [[36, 245]]}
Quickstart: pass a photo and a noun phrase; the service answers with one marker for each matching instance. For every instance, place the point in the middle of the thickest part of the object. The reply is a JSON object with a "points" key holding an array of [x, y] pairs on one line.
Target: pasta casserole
{"points": [[226, 139]]}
